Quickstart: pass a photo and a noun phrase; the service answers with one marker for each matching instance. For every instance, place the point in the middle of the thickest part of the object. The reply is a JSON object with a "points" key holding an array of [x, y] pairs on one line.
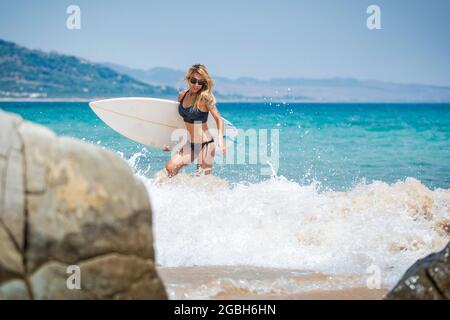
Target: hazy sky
{"points": [[233, 38]]}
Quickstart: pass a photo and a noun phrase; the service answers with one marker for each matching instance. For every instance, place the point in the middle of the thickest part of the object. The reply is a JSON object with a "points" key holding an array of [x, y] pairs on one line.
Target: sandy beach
{"points": [[244, 282]]}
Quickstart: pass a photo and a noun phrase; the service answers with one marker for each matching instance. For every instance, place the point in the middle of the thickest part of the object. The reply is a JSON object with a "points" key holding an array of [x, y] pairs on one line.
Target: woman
{"points": [[195, 105]]}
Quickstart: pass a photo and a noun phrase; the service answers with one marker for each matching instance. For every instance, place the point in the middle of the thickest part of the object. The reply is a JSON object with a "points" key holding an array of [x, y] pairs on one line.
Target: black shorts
{"points": [[195, 148]]}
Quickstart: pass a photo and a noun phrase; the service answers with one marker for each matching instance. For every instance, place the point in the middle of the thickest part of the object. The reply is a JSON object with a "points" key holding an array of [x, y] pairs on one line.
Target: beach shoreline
{"points": [[247, 282]]}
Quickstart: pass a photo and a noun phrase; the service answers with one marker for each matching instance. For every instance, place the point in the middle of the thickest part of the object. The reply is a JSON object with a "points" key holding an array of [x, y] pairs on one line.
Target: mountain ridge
{"points": [[31, 73], [335, 89], [35, 74]]}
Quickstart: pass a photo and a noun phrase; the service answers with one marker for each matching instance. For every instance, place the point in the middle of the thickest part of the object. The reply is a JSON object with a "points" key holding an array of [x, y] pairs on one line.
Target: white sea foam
{"points": [[278, 223]]}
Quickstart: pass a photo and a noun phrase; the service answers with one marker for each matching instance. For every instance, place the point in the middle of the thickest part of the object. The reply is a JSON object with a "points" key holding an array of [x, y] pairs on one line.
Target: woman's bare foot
{"points": [[161, 176]]}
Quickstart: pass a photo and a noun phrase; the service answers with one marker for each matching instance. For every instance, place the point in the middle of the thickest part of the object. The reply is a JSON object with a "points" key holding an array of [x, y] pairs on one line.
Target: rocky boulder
{"points": [[74, 221], [428, 278]]}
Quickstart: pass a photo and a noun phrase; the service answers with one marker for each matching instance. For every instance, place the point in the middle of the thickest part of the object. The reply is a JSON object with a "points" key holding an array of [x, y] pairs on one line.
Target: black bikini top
{"points": [[190, 114]]}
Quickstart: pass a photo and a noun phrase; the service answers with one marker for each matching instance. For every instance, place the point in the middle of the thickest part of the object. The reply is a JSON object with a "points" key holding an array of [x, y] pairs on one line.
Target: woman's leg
{"points": [[179, 160], [206, 158]]}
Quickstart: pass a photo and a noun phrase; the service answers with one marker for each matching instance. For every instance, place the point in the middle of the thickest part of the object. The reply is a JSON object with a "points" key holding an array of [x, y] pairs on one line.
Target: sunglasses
{"points": [[200, 82]]}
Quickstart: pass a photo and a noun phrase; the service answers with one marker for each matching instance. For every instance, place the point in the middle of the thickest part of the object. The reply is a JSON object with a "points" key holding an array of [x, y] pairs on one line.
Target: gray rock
{"points": [[12, 213], [64, 202], [428, 278], [39, 142], [11, 264], [111, 276], [92, 205], [11, 199], [14, 290], [8, 133]]}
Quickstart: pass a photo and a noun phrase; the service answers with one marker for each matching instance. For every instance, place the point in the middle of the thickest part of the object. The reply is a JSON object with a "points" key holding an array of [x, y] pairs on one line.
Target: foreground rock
{"points": [[428, 278], [68, 208]]}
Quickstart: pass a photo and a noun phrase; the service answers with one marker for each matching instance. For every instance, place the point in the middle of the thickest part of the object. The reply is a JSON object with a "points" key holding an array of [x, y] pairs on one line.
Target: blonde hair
{"points": [[205, 92]]}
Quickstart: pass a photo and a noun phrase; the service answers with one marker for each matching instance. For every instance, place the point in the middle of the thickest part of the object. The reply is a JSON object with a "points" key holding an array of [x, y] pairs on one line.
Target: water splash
{"points": [[278, 223]]}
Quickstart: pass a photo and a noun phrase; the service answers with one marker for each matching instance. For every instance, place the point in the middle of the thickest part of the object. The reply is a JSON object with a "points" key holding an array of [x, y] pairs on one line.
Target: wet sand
{"points": [[243, 282]]}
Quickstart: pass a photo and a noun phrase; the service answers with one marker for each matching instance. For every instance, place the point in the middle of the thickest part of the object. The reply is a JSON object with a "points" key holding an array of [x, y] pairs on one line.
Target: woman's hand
{"points": [[221, 145]]}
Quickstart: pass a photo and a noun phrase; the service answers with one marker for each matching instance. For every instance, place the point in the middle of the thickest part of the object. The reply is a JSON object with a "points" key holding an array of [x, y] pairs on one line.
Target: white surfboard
{"points": [[149, 121]]}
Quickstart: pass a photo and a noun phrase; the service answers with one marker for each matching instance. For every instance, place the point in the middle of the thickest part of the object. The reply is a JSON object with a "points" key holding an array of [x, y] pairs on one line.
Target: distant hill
{"points": [[160, 75], [169, 77], [299, 89], [26, 73]]}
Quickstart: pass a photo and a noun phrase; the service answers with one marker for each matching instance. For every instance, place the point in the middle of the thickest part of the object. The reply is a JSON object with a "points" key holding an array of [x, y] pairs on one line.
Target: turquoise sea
{"points": [[336, 145], [360, 187]]}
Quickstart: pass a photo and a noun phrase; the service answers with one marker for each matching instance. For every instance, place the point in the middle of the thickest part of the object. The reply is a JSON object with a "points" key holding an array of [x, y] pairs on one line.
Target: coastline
{"points": [[246, 282]]}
